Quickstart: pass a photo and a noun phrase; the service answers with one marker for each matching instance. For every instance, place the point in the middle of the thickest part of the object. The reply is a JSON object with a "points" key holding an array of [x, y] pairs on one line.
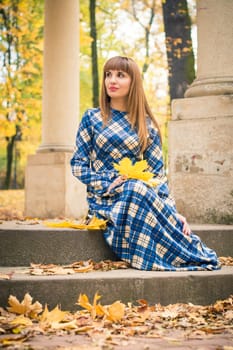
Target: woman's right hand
{"points": [[186, 227], [118, 181]]}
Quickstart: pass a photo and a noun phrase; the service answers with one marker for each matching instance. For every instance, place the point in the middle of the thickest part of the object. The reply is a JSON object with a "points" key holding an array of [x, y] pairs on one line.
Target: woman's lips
{"points": [[112, 88]]}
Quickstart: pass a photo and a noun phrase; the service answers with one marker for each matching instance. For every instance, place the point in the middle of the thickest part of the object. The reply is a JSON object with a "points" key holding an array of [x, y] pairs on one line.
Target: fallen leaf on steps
{"points": [[21, 321], [25, 307], [76, 267], [94, 224], [4, 276], [54, 316]]}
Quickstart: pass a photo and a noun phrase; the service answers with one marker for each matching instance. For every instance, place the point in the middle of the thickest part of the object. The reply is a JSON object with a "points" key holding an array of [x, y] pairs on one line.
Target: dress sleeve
{"points": [[81, 160], [153, 155]]}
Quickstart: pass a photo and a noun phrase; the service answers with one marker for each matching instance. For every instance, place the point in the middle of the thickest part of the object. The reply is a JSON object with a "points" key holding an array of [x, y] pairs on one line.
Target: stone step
{"points": [[22, 244], [200, 287]]}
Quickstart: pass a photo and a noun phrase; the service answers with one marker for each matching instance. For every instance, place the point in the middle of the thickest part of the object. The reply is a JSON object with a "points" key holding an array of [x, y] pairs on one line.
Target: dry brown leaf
{"points": [[169, 314], [76, 267], [14, 339], [226, 260], [213, 330], [84, 329], [2, 331], [143, 305], [229, 315], [84, 267], [222, 305], [4, 276]]}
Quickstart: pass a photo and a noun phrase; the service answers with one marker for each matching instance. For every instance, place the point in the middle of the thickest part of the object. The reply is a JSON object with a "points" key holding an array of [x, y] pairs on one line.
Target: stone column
{"points": [[51, 190], [201, 130], [60, 76]]}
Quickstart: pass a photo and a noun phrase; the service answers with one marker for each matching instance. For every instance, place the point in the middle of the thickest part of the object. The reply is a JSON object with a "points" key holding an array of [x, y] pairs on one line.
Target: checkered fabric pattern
{"points": [[142, 226]]}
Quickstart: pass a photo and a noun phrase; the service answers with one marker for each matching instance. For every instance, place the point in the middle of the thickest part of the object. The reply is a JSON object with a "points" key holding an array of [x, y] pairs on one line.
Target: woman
{"points": [[143, 227]]}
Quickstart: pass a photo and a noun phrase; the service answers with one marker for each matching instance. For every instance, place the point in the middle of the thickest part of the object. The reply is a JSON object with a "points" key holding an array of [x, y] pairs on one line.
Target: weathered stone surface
{"points": [[200, 163], [50, 188], [200, 287], [23, 244]]}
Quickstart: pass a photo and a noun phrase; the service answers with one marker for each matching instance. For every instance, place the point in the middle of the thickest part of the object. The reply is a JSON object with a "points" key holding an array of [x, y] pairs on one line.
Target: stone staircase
{"points": [[22, 244]]}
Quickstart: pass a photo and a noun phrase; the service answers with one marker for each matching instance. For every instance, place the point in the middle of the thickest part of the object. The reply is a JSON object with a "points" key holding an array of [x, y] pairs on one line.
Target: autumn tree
{"points": [[21, 24], [98, 25], [94, 55], [144, 12], [177, 24]]}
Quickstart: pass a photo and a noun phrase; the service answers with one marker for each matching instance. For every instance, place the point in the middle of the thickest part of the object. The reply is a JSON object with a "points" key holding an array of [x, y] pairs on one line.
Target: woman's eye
{"points": [[108, 74], [120, 74]]}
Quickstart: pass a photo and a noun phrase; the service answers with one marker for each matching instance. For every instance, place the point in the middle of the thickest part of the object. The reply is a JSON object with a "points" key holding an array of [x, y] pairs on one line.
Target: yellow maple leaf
{"points": [[94, 224], [21, 321], [25, 307], [135, 171], [55, 315], [115, 311], [64, 325], [84, 302], [94, 309]]}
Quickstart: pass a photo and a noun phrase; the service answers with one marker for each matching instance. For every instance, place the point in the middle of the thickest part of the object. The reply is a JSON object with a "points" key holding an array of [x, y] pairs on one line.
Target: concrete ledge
{"points": [[217, 237], [23, 244], [201, 287]]}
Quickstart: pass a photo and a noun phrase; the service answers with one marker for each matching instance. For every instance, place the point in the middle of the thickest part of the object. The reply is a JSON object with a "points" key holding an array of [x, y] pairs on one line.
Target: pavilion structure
{"points": [[200, 132]]}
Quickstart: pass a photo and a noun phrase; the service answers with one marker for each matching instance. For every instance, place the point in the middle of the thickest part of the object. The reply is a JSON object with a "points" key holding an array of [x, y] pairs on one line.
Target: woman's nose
{"points": [[113, 78]]}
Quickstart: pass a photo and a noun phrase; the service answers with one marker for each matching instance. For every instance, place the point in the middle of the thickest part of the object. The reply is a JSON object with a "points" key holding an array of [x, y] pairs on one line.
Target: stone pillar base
{"points": [[201, 158], [51, 190]]}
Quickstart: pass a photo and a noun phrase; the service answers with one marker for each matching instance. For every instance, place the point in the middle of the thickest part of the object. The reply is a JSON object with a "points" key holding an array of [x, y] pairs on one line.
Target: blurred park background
{"points": [[160, 35]]}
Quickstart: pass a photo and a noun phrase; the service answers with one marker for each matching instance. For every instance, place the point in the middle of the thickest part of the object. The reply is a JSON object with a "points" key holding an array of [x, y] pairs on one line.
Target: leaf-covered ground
{"points": [[29, 325]]}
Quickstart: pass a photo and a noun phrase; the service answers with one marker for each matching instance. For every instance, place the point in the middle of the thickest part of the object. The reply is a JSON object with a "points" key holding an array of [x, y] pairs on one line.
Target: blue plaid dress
{"points": [[142, 227]]}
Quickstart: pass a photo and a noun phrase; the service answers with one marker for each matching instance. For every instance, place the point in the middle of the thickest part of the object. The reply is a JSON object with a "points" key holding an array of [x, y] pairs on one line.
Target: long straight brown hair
{"points": [[137, 106]]}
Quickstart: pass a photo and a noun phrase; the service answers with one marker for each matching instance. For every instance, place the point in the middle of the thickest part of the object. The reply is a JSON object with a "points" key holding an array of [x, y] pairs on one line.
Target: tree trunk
{"points": [[177, 24], [94, 57], [9, 162]]}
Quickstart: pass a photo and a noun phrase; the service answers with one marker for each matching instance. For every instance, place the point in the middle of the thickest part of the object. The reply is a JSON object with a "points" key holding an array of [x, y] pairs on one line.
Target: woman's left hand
{"points": [[186, 228]]}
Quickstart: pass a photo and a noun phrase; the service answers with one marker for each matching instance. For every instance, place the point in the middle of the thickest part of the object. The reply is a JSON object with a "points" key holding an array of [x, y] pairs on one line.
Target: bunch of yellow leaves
{"points": [[28, 310], [136, 171], [113, 313], [94, 224]]}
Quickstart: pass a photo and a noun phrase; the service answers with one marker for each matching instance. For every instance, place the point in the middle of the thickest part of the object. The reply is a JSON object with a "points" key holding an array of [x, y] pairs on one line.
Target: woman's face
{"points": [[117, 84]]}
